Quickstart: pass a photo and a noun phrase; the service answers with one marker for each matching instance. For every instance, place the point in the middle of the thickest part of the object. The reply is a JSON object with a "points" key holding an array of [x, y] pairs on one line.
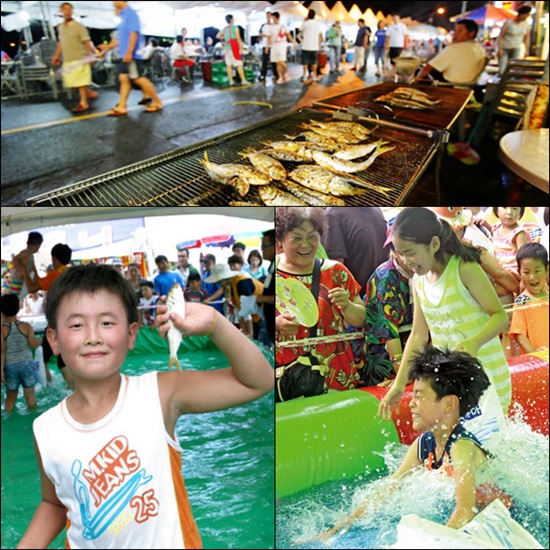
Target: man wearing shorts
{"points": [[130, 68], [312, 38], [75, 45]]}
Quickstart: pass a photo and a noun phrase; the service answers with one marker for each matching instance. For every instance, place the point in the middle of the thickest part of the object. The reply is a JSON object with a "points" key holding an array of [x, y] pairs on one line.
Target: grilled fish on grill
{"points": [[292, 148], [313, 198], [330, 162], [226, 174], [409, 98], [341, 136], [352, 152], [343, 126], [275, 197], [324, 181], [265, 164], [319, 141]]}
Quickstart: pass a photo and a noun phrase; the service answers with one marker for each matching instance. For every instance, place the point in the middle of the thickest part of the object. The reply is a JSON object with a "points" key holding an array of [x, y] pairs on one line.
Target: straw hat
{"points": [[220, 272]]}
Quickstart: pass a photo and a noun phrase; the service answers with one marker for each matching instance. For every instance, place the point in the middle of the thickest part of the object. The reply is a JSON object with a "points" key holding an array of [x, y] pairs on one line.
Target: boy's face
{"points": [[533, 274], [195, 285], [163, 266], [235, 267], [92, 334], [427, 411], [147, 292]]}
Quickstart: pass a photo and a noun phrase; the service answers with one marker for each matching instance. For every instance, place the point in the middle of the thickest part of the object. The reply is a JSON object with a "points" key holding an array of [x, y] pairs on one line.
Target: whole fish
{"points": [[352, 152], [327, 161], [344, 126], [275, 197], [341, 136], [296, 148], [285, 155], [265, 164], [175, 302], [320, 141], [313, 198], [323, 181], [226, 174], [251, 176]]}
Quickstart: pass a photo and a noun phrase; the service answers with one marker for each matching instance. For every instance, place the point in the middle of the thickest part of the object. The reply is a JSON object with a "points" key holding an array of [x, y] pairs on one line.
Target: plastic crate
{"points": [[220, 78], [219, 68]]}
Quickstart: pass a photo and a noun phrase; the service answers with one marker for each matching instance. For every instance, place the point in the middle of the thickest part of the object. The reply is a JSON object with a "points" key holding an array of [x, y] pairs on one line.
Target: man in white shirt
{"points": [[312, 38], [462, 61], [397, 36]]}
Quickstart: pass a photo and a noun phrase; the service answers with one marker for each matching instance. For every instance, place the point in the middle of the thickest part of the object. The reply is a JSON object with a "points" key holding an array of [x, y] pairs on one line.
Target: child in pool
{"points": [[109, 464], [530, 325], [18, 366], [455, 304], [447, 387]]}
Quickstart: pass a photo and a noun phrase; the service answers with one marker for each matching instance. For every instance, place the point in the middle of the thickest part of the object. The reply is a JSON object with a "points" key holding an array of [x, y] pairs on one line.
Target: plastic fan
{"points": [[295, 298]]}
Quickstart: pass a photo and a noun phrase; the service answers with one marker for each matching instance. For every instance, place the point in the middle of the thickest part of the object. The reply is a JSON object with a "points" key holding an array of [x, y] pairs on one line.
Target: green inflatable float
{"points": [[329, 437]]}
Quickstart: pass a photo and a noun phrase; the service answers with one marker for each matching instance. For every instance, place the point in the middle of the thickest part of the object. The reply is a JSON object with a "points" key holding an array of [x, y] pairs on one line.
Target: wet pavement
{"points": [[45, 146]]}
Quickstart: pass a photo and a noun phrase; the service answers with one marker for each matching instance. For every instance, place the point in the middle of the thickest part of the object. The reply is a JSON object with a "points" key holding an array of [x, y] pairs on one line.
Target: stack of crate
{"points": [[219, 73]]}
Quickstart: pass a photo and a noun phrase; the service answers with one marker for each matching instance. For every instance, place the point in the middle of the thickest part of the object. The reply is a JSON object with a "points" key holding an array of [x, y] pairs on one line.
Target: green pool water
{"points": [[227, 463]]}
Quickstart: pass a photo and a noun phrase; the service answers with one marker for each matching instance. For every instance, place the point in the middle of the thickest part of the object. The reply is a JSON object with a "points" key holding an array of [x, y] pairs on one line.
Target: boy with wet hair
{"points": [[109, 461], [530, 316], [446, 391], [24, 263]]}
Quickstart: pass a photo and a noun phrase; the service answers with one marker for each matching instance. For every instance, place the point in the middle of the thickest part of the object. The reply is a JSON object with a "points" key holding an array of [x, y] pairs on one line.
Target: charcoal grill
{"points": [[446, 113], [177, 178]]}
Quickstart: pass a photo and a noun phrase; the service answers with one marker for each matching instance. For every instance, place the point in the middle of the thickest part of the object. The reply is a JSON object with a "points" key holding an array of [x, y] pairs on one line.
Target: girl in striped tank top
{"points": [[455, 305]]}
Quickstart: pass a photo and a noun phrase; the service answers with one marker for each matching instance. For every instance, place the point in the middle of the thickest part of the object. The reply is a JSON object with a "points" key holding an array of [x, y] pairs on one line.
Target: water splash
{"points": [[520, 469]]}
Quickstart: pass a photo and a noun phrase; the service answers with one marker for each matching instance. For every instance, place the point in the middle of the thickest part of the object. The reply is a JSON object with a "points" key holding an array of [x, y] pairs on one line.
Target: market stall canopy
{"points": [[340, 13], [26, 218], [488, 12], [157, 18]]}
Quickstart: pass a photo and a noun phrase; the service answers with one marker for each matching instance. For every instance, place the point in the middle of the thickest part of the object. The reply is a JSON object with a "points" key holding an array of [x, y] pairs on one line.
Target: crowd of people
{"points": [[430, 313], [380, 285], [241, 289], [459, 60]]}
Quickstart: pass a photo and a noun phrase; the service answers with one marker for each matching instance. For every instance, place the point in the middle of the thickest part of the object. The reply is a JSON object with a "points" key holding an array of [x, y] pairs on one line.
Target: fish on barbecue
{"points": [[345, 126], [352, 152], [330, 162], [226, 174], [311, 197], [265, 164], [272, 196], [296, 149], [323, 181]]}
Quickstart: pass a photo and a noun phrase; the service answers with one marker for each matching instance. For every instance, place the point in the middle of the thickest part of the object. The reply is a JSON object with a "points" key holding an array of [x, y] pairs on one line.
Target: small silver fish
{"points": [[175, 302]]}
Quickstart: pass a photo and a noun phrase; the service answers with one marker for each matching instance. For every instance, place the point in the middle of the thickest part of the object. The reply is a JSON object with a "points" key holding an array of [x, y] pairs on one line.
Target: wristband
{"points": [[209, 333], [396, 358]]}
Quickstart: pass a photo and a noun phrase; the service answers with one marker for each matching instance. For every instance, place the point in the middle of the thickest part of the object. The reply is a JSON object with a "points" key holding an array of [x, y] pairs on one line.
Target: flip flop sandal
{"points": [[80, 109], [153, 109], [115, 112]]}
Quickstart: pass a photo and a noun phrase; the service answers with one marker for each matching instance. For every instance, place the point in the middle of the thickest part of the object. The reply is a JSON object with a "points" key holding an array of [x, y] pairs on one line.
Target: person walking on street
{"points": [[130, 67], [512, 35]]}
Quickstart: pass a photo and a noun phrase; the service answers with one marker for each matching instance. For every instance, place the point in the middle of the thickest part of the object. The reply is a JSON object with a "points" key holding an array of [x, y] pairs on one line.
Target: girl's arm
{"points": [[249, 376], [476, 281], [466, 458], [417, 340], [34, 342], [50, 516], [521, 239], [502, 276]]}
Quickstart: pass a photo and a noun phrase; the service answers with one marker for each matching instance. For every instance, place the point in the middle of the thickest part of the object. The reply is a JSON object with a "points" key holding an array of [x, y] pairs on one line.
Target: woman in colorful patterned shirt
{"points": [[298, 231]]}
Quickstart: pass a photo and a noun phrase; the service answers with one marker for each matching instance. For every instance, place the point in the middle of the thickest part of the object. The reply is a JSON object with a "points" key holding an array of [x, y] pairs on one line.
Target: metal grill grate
{"points": [[178, 178]]}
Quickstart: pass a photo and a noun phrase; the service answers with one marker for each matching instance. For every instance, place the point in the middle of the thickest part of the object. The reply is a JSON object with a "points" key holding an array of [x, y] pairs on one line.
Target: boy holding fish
{"points": [[109, 463]]}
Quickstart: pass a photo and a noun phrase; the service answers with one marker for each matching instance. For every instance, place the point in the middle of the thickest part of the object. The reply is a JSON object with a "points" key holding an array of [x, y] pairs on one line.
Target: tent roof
{"points": [[26, 218]]}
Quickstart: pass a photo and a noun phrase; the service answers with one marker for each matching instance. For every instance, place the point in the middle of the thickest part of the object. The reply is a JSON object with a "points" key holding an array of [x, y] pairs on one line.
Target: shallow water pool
{"points": [[227, 461], [521, 469]]}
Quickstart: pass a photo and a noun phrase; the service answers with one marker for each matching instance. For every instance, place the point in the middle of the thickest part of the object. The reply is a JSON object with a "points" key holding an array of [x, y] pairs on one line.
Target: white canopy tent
{"points": [[157, 18], [25, 218]]}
